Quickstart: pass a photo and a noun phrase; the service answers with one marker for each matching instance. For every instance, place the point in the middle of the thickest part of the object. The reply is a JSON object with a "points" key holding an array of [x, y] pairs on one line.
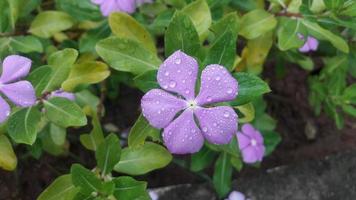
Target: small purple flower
{"points": [[311, 44], [109, 6], [182, 135], [250, 144], [21, 93], [63, 94], [235, 195]]}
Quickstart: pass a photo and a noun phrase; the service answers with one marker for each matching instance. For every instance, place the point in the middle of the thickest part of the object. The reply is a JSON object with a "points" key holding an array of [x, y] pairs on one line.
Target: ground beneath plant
{"points": [[304, 137]]}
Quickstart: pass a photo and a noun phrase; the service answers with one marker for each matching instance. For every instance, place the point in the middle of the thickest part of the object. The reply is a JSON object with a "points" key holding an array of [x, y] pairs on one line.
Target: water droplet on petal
{"points": [[226, 114], [215, 124], [205, 129], [166, 73], [218, 78], [178, 61], [190, 72], [172, 84], [229, 91], [209, 98]]}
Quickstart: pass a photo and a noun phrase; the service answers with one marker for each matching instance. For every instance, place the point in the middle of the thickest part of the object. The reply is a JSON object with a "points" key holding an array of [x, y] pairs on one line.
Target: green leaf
{"points": [[47, 23], [64, 112], [202, 159], [237, 163], [256, 23], [223, 50], [250, 87], [143, 159], [58, 134], [23, 125], [351, 110], [87, 99], [92, 140], [127, 55], [81, 10], [146, 81], [88, 72], [85, 179], [271, 139], [288, 34], [129, 189], [26, 44], [8, 160], [61, 63], [222, 175], [230, 20], [181, 35], [89, 39], [334, 4], [60, 189], [125, 26], [199, 13], [108, 153], [320, 33], [40, 78], [139, 132], [350, 10]]}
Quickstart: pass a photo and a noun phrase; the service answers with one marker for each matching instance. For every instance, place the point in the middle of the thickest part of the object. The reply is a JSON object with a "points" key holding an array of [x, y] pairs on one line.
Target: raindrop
{"points": [[166, 73], [179, 71], [159, 112], [165, 86], [172, 84], [178, 61], [209, 98], [205, 129], [190, 72], [229, 91], [215, 124], [218, 78], [183, 81], [226, 114], [190, 138], [187, 92]]}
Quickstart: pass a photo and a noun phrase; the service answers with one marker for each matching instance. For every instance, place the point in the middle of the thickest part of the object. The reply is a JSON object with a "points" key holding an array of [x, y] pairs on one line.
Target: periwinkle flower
{"points": [[21, 93], [109, 6], [251, 144], [236, 195], [311, 44], [184, 134], [63, 94]]}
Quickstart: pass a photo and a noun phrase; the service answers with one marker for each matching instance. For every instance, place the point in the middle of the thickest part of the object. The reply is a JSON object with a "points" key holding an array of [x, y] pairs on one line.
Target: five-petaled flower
{"points": [[199, 119], [21, 93], [311, 44], [251, 144], [128, 6]]}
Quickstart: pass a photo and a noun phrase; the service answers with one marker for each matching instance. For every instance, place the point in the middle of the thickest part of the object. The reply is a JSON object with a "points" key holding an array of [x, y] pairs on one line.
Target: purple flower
{"points": [[21, 93], [181, 135], [311, 44], [235, 195], [63, 94], [109, 6], [251, 144]]}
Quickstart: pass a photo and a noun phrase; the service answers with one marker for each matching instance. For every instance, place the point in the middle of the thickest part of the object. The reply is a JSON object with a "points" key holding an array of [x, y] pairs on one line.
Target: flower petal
{"points": [[109, 6], [128, 6], [183, 136], [249, 155], [4, 110], [20, 93], [14, 68], [260, 152], [243, 140], [178, 73], [63, 94], [252, 133], [217, 85], [312, 43], [235, 195], [160, 107], [218, 124]]}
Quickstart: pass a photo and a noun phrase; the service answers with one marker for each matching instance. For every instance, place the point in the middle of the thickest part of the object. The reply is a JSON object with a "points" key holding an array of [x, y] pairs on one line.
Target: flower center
{"points": [[192, 104], [253, 142]]}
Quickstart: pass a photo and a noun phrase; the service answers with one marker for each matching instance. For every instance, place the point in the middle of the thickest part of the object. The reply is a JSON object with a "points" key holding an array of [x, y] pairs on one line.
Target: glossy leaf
{"points": [[64, 112], [47, 23], [139, 132], [199, 13], [93, 139], [26, 44], [288, 34], [40, 78], [60, 189], [146, 81], [125, 26], [222, 175], [127, 55], [108, 153], [129, 189], [85, 179], [181, 35], [89, 72], [143, 159], [256, 23], [8, 159], [202, 159], [23, 125]]}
